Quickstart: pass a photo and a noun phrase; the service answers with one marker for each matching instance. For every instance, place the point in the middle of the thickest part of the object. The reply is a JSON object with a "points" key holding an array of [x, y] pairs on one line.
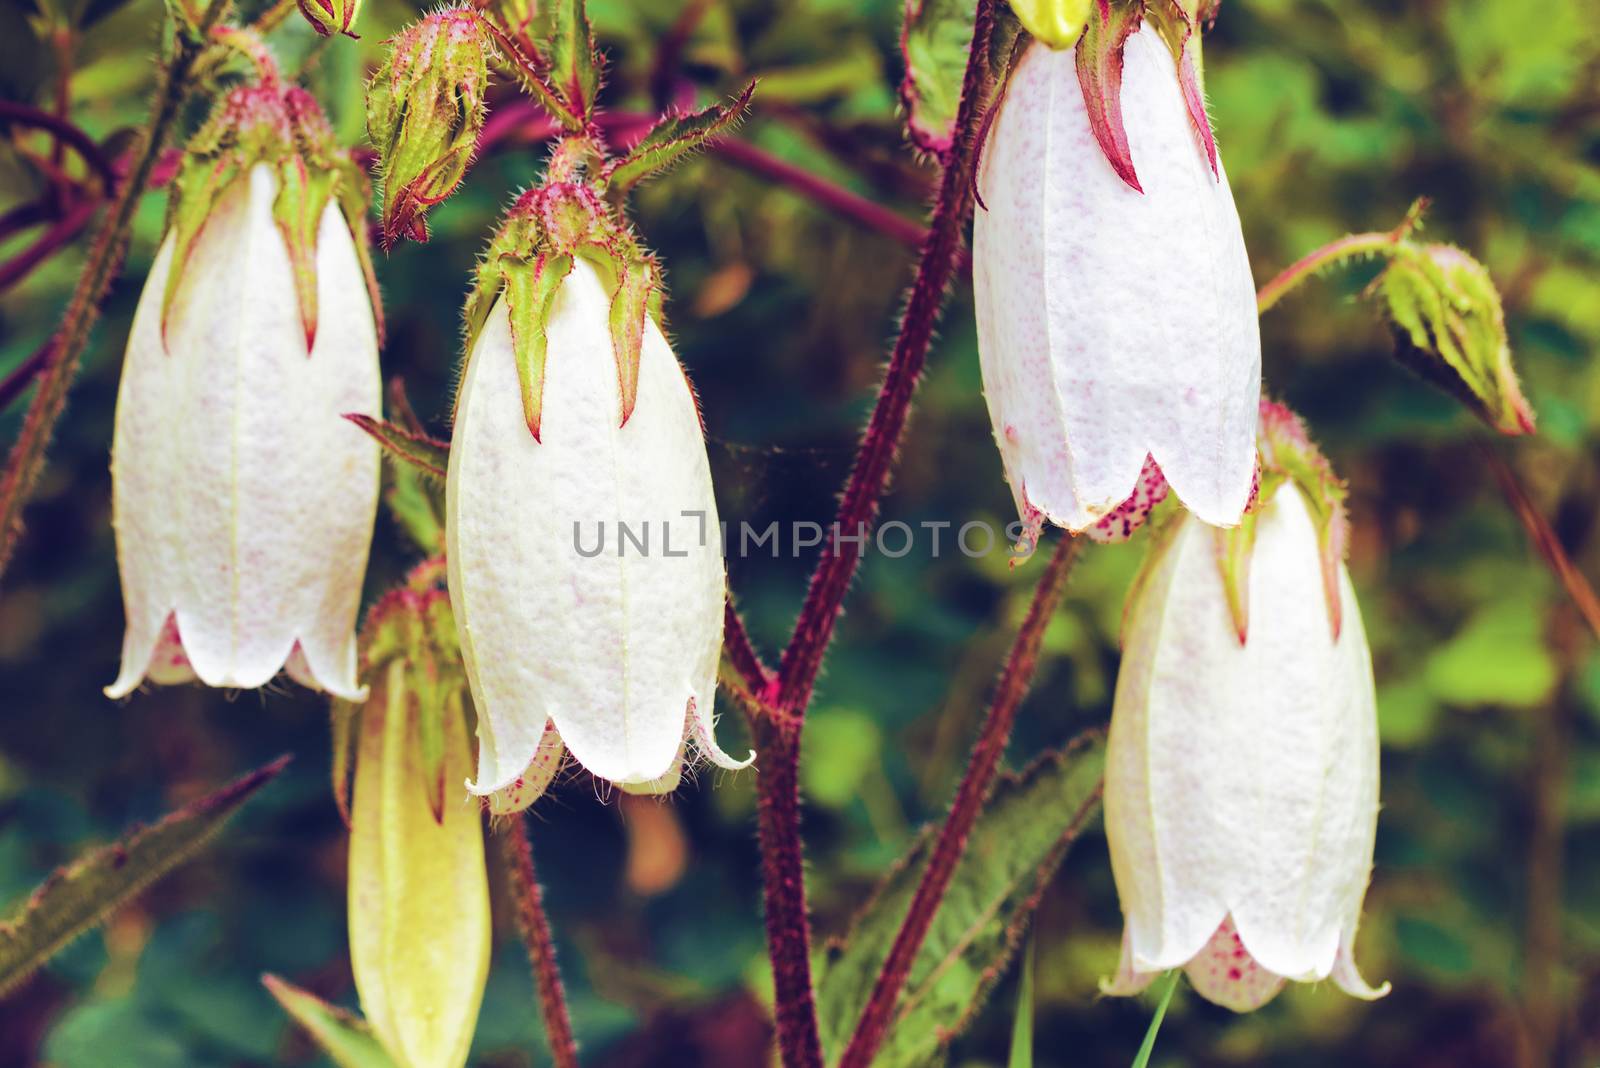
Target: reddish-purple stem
{"points": [[836, 198], [64, 132], [778, 736], [784, 889], [534, 926], [53, 240], [742, 652], [969, 799], [941, 253], [23, 374]]}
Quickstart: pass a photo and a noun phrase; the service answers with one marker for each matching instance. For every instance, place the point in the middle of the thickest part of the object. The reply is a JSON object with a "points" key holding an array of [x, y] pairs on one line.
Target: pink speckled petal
{"points": [[528, 787], [1226, 974]]}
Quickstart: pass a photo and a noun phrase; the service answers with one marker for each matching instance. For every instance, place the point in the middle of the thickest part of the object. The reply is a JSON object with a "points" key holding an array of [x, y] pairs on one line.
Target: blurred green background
{"points": [[1485, 905]]}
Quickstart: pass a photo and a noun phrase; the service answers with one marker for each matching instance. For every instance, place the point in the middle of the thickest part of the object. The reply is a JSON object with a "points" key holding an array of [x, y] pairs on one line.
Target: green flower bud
{"points": [[329, 17], [425, 110], [1058, 23]]}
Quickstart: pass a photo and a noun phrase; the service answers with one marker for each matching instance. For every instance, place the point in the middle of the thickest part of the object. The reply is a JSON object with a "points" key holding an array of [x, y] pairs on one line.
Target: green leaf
{"points": [[345, 1038], [671, 139], [421, 452], [83, 893], [1016, 846], [934, 42], [1149, 1044], [1022, 1027]]}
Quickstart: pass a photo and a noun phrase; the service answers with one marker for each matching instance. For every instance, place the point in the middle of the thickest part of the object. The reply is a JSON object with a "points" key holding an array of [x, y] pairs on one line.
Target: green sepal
{"points": [[200, 184], [1450, 328], [303, 194], [530, 289], [1235, 547], [670, 140], [421, 452], [1176, 23], [344, 1037], [81, 895], [1099, 60], [1288, 455], [344, 717], [637, 280], [415, 496]]}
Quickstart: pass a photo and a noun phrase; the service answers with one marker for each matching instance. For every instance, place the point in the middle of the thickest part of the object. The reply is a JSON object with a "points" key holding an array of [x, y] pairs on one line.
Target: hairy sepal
{"points": [[1099, 59]]}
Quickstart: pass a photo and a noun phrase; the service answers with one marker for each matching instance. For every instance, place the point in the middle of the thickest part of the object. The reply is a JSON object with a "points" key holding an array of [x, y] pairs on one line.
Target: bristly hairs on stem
{"points": [[778, 738], [534, 926], [974, 790]]}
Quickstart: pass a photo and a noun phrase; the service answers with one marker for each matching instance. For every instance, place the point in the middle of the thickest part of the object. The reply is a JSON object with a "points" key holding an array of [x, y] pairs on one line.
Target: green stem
{"points": [[1149, 1044], [27, 456], [1346, 248]]}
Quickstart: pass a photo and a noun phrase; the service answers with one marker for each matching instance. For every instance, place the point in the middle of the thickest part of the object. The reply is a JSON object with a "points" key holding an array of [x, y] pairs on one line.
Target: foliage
{"points": [[1330, 118]]}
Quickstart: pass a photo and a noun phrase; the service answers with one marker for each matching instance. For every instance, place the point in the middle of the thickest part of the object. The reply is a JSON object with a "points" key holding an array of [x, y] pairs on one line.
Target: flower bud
{"points": [[1115, 326], [243, 503], [1450, 328], [329, 17], [420, 936], [608, 652], [425, 109], [1057, 23], [1241, 797]]}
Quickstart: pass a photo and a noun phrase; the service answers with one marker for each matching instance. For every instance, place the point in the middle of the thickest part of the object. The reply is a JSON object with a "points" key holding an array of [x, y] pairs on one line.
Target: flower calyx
{"points": [[1288, 456], [409, 642], [1099, 57], [532, 253], [283, 127]]}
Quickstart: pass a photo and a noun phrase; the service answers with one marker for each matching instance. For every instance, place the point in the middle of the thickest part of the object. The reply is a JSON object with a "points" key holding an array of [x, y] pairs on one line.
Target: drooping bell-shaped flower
{"points": [[420, 935], [585, 557], [243, 503], [1241, 797], [1116, 313]]}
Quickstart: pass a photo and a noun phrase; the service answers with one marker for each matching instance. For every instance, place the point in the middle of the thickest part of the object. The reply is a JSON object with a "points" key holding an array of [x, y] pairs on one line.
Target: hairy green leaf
{"points": [[673, 138], [84, 892], [346, 1039], [934, 41], [418, 450], [1020, 839], [1022, 1024]]}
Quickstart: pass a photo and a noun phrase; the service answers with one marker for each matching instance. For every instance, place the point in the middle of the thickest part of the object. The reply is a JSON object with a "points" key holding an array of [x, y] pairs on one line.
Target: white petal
{"points": [[611, 646], [1173, 866], [1113, 324], [1347, 978], [1130, 979], [244, 502]]}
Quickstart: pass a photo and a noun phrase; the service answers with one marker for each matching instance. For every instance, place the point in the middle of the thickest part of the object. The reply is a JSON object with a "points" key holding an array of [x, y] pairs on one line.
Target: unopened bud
{"points": [[425, 110], [329, 17], [1058, 23]]}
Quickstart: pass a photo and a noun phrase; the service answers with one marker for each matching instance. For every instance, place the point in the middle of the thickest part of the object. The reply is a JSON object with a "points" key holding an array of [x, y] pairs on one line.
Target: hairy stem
{"points": [[1545, 541], [941, 253], [534, 927], [784, 889], [26, 459], [778, 737], [970, 797]]}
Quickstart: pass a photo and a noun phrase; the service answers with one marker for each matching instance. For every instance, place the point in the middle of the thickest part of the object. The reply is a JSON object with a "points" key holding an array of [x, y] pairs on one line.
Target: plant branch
{"points": [[940, 255], [1545, 540], [534, 926], [1346, 248], [970, 796], [64, 132], [26, 459]]}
